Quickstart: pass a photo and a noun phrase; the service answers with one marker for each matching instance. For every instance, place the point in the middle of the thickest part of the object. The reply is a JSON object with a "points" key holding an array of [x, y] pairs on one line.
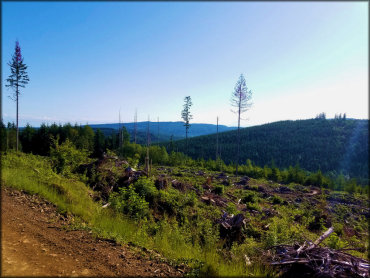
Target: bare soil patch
{"points": [[35, 242]]}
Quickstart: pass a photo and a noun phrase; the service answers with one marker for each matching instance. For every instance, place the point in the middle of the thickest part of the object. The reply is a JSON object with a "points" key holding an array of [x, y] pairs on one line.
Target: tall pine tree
{"points": [[17, 79], [186, 116], [241, 100]]}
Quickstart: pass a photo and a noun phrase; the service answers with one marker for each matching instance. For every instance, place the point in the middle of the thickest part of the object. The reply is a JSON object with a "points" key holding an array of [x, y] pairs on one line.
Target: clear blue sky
{"points": [[87, 60]]}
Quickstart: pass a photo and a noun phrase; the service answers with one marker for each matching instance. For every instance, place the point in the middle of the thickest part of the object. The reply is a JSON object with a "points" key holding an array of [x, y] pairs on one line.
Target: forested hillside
{"points": [[330, 145]]}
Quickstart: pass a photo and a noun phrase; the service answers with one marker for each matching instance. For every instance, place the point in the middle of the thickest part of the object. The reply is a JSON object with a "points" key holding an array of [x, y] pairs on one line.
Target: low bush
{"points": [[250, 197], [129, 202], [277, 200], [219, 189], [145, 187], [66, 157]]}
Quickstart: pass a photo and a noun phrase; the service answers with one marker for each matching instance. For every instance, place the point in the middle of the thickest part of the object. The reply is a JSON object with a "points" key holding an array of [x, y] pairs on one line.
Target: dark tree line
{"points": [[40, 140]]}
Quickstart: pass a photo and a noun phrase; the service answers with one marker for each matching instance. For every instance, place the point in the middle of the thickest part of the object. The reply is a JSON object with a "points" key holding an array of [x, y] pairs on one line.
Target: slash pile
{"points": [[310, 260]]}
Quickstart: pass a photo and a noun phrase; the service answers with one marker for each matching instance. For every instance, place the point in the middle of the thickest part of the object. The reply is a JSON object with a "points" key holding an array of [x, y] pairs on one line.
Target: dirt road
{"points": [[34, 242]]}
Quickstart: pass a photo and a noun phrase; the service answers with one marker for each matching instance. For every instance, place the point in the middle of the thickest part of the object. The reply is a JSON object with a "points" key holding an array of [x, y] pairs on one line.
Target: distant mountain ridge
{"points": [[166, 129]]}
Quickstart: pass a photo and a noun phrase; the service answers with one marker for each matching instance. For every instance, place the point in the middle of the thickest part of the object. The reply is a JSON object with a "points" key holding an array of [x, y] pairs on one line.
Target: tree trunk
{"points": [[17, 113], [186, 132], [238, 139]]}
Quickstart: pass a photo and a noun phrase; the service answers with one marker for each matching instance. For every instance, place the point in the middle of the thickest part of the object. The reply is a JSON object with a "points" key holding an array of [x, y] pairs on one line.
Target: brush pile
{"points": [[310, 260]]}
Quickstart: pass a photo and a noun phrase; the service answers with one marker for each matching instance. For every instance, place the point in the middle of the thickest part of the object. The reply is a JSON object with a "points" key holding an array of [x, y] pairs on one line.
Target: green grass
{"points": [[34, 175]]}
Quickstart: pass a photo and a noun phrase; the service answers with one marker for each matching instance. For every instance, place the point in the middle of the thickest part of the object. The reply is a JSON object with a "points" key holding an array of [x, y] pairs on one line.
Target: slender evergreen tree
{"points": [[241, 100], [17, 79], [186, 116]]}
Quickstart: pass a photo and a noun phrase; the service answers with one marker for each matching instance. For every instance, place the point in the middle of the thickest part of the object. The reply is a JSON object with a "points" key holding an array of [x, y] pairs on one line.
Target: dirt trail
{"points": [[34, 243]]}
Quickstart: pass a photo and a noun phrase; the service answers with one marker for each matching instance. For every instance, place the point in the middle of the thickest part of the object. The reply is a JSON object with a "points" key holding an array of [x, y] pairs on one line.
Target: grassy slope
{"points": [[34, 175], [286, 218]]}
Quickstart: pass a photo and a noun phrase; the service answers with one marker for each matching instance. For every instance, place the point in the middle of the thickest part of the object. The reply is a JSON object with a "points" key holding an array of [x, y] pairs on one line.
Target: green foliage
{"points": [[275, 174], [132, 153], [129, 202], [158, 154], [35, 175], [335, 242], [338, 229], [184, 228], [3, 137], [282, 230], [11, 139], [26, 137], [318, 221], [317, 179], [66, 158], [231, 208], [99, 144], [146, 188], [38, 141], [253, 206], [351, 186], [168, 201], [219, 189], [313, 144], [250, 197], [276, 200], [85, 138]]}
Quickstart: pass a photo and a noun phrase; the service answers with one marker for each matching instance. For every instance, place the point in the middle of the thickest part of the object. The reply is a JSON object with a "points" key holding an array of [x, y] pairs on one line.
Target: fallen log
{"points": [[324, 236]]}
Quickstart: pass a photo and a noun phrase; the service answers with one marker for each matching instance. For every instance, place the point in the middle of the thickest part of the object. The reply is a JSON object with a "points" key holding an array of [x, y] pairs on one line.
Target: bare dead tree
{"points": [[241, 100]]}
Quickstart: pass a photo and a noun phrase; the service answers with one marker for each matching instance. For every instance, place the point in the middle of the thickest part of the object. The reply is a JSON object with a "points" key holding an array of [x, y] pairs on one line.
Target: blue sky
{"points": [[87, 60]]}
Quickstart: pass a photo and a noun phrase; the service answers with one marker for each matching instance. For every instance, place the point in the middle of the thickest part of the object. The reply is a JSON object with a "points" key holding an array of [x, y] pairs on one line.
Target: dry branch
{"points": [[321, 261]]}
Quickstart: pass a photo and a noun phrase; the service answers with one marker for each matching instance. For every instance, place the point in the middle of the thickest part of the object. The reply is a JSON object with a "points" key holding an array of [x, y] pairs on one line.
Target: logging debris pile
{"points": [[311, 260]]}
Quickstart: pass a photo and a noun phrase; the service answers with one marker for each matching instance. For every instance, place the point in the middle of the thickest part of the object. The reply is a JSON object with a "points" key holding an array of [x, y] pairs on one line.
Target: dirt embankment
{"points": [[36, 243]]}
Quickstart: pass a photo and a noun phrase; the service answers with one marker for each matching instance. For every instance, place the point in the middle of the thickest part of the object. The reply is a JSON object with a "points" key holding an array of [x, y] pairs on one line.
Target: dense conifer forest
{"points": [[333, 146]]}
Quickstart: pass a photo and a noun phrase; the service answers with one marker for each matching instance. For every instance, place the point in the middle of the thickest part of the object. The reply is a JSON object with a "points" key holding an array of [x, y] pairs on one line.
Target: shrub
{"points": [[219, 189], [253, 206], [338, 228], [145, 187], [276, 200], [129, 202], [66, 157], [168, 201], [190, 199], [335, 242], [231, 208], [249, 198]]}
